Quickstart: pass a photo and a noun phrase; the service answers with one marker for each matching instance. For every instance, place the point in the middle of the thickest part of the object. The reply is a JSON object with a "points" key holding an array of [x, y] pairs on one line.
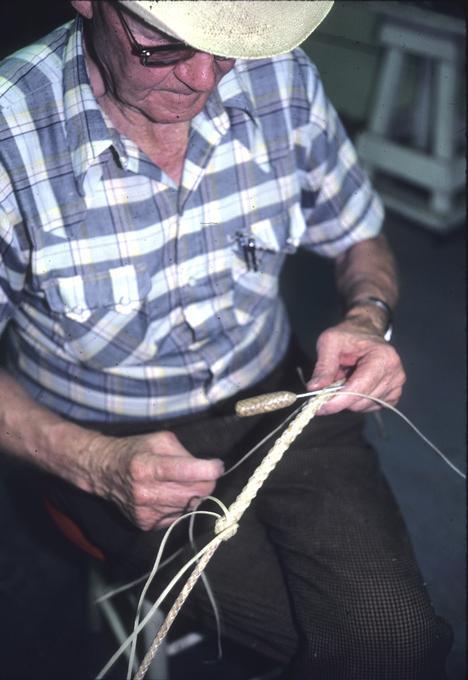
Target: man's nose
{"points": [[198, 72]]}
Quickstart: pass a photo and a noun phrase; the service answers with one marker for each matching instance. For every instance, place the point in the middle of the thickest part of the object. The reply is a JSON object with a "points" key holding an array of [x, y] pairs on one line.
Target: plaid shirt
{"points": [[127, 296]]}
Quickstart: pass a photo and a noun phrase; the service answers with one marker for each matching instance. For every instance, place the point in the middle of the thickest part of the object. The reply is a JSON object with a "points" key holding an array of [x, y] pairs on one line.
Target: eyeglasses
{"points": [[159, 55]]}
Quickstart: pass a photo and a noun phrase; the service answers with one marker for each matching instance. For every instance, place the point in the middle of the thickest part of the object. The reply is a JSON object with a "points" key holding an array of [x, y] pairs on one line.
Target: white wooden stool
{"points": [[422, 175], [121, 628]]}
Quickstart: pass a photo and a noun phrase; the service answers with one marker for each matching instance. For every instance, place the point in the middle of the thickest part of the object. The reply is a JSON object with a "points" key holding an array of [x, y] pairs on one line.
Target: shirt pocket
{"points": [[257, 258], [101, 316]]}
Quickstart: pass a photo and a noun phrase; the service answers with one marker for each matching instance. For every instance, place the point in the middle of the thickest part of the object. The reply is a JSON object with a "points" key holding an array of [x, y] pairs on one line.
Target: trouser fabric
{"points": [[320, 576]]}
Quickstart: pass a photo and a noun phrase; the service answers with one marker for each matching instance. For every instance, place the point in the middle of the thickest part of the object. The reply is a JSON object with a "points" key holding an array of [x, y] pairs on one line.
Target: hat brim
{"points": [[240, 29]]}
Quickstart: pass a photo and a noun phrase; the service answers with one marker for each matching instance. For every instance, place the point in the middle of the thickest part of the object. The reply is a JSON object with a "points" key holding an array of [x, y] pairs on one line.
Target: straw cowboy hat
{"points": [[250, 29]]}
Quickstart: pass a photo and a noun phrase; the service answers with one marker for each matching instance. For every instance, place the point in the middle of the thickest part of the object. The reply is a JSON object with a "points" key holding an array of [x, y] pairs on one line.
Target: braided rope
{"points": [[264, 403], [183, 595], [226, 527], [271, 460]]}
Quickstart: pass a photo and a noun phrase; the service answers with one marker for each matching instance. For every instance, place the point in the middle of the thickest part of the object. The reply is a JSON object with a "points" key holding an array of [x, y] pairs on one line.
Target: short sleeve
{"points": [[339, 204], [14, 254]]}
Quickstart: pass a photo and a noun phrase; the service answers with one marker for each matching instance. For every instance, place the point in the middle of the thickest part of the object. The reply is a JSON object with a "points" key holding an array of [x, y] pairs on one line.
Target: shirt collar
{"points": [[234, 93], [230, 100], [88, 131]]}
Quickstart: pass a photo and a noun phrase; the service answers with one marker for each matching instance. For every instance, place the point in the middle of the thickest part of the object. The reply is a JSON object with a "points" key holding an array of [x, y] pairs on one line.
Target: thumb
{"points": [[326, 369]]}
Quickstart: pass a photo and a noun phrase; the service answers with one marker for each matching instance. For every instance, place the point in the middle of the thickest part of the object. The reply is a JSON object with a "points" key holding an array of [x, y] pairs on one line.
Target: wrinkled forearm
{"points": [[35, 434], [152, 478], [355, 348], [368, 269]]}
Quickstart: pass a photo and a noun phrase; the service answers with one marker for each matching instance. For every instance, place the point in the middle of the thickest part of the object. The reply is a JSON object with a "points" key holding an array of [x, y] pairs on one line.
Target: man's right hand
{"points": [[152, 478]]}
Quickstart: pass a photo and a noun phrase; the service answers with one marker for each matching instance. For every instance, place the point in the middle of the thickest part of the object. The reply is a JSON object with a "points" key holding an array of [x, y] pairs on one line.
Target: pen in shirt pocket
{"points": [[247, 243]]}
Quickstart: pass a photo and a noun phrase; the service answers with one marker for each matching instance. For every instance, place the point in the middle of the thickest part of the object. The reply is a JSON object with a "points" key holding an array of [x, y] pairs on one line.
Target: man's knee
{"points": [[394, 641]]}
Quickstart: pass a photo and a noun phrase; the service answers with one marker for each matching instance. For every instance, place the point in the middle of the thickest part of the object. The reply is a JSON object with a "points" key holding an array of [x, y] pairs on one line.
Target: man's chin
{"points": [[167, 117], [179, 110]]}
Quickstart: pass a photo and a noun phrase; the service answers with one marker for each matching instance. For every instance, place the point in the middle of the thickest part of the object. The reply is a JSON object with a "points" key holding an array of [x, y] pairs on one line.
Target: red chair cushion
{"points": [[72, 531]]}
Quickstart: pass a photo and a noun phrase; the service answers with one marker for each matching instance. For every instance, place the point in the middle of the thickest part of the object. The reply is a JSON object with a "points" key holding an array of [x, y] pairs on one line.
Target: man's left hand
{"points": [[357, 353]]}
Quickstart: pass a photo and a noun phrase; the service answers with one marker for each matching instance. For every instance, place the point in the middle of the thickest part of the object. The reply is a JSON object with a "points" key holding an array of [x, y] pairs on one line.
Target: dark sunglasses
{"points": [[160, 55]]}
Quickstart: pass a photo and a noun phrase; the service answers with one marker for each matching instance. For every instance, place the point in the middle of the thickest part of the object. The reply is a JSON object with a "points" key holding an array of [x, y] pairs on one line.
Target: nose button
{"points": [[198, 72]]}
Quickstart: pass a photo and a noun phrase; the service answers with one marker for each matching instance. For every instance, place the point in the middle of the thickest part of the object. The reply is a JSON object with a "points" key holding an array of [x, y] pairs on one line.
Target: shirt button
{"points": [[124, 305], [78, 314], [126, 308]]}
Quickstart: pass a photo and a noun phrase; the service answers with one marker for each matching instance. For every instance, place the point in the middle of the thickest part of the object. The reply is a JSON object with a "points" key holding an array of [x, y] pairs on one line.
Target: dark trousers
{"points": [[320, 575]]}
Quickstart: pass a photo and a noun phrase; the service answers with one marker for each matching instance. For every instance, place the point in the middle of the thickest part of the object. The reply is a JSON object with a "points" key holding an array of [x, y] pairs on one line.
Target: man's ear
{"points": [[83, 7]]}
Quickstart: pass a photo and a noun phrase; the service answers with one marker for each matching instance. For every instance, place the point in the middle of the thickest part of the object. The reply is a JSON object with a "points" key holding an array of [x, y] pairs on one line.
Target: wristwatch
{"points": [[381, 304]]}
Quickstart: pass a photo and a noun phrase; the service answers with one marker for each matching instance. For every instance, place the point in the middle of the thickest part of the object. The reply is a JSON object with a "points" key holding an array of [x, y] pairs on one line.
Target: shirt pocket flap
{"points": [[121, 288], [273, 234]]}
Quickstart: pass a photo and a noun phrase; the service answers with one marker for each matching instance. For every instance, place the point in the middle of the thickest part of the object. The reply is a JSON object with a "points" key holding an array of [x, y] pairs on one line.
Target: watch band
{"points": [[381, 304]]}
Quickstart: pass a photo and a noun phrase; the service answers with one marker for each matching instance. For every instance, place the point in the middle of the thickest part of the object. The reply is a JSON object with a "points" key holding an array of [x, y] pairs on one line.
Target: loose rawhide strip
{"points": [[227, 526]]}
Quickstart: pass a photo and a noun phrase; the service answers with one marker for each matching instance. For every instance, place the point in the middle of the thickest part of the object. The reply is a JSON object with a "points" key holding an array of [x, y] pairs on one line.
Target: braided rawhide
{"points": [[227, 526]]}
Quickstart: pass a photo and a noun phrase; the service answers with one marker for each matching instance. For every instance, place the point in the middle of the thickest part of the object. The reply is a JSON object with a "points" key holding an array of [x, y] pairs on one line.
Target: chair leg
{"points": [[109, 612], [444, 133], [387, 85], [159, 668]]}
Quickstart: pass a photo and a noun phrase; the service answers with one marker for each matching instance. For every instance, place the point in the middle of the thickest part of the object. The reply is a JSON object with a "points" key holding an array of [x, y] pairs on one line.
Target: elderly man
{"points": [[158, 162]]}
